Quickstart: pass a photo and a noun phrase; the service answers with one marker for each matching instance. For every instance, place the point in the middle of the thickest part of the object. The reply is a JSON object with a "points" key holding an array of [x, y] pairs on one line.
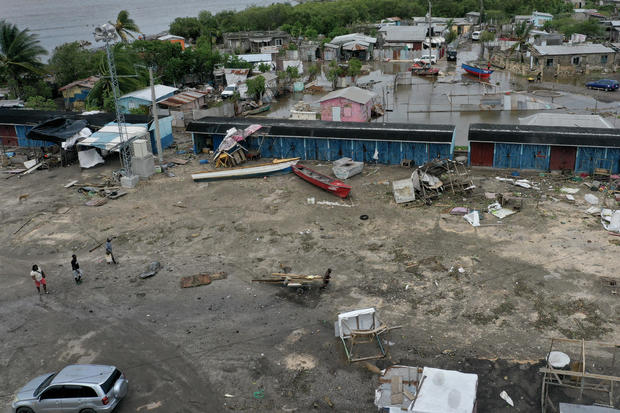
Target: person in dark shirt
{"points": [[77, 273]]}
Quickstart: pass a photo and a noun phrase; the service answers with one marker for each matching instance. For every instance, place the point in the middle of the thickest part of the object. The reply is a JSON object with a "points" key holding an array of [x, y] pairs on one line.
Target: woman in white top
{"points": [[38, 276]]}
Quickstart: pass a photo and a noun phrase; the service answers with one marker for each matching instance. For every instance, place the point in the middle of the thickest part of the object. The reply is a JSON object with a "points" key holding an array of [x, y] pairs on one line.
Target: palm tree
{"points": [[522, 34], [19, 54], [125, 26]]}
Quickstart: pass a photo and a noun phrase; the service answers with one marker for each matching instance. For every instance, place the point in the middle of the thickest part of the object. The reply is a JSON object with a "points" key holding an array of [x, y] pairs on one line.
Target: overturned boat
{"points": [[277, 166]]}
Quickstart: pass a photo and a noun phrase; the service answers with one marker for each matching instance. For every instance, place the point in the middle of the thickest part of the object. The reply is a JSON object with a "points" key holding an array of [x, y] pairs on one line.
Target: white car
{"points": [[475, 35], [229, 91], [426, 60]]}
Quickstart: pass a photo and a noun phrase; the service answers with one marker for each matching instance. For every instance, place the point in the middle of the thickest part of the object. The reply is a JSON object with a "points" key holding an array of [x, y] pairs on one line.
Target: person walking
{"points": [[77, 273], [38, 276], [109, 256]]}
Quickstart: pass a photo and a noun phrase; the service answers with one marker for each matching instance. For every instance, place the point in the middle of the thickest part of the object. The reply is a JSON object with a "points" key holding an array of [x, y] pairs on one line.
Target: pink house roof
{"points": [[352, 93]]}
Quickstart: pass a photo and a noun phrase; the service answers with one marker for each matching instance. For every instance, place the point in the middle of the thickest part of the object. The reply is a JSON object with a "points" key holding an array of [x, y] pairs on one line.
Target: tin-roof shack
{"points": [[173, 39], [351, 104], [142, 97], [244, 42], [589, 56], [75, 93]]}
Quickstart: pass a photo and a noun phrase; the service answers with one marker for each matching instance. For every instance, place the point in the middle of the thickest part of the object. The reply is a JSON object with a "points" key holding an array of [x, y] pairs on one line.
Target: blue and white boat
{"points": [[277, 166], [476, 70]]}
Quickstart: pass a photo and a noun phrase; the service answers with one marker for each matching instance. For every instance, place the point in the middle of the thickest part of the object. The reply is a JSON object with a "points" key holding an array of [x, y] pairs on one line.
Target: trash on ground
{"points": [[593, 210], [201, 279], [310, 201], [498, 211], [459, 211], [591, 199], [297, 280], [96, 202], [506, 397], [570, 198], [567, 190], [610, 220], [360, 332], [345, 168], [426, 390], [403, 191], [473, 218], [152, 269], [331, 203]]}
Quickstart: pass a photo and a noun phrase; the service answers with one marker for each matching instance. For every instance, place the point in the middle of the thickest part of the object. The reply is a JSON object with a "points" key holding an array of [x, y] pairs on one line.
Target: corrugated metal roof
{"points": [[404, 33], [565, 119], [353, 93], [89, 82], [545, 135], [574, 49], [353, 37], [406, 132], [182, 98], [145, 94]]}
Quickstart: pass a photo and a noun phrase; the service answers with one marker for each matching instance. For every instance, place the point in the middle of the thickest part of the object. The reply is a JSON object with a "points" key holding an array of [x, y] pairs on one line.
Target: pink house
{"points": [[351, 104]]}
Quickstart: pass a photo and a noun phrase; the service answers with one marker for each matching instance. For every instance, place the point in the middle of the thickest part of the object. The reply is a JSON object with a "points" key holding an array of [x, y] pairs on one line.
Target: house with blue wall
{"points": [[75, 93], [327, 141], [142, 97], [544, 148], [539, 18]]}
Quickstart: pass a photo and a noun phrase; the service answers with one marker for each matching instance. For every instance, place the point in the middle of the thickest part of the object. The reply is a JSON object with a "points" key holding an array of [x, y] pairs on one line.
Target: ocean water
{"points": [[61, 21]]}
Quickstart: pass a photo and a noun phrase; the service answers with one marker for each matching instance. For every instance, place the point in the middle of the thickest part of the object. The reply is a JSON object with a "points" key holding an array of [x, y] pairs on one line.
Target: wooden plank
{"points": [[578, 374], [37, 166], [408, 394], [396, 390], [178, 161], [70, 184]]}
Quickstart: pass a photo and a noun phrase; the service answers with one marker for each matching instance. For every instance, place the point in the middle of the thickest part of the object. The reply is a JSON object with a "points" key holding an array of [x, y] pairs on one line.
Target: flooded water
{"points": [[455, 98]]}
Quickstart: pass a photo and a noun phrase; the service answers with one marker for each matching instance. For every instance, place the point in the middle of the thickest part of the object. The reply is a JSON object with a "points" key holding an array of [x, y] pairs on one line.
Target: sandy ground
{"points": [[532, 278]]}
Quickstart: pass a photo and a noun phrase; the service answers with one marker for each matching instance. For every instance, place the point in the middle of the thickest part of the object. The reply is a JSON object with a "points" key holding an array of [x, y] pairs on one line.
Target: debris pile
{"points": [[431, 179]]}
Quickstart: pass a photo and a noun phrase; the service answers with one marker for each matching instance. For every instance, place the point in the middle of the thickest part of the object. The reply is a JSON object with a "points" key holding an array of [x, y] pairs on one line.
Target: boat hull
{"points": [[476, 71], [329, 184], [278, 166]]}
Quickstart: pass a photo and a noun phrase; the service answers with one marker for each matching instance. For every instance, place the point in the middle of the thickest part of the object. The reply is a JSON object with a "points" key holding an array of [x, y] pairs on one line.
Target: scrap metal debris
{"points": [[297, 280], [151, 270], [201, 279]]}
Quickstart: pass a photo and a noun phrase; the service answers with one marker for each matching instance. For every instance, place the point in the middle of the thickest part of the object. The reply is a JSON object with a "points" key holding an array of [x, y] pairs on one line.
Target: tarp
{"points": [[446, 391], [84, 133], [89, 158], [107, 137], [235, 135], [56, 130]]}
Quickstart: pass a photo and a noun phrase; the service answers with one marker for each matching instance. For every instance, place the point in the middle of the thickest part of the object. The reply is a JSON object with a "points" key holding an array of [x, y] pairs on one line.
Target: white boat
{"points": [[277, 166]]}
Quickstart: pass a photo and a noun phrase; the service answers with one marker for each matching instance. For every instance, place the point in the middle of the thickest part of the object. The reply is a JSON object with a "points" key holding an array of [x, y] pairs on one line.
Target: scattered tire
{"points": [[364, 217]]}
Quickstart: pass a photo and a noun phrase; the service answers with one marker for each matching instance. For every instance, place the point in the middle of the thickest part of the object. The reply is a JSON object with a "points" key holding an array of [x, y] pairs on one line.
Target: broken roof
{"points": [[56, 130], [591, 48], [108, 138], [353, 93], [396, 132], [88, 83], [34, 117], [182, 98]]}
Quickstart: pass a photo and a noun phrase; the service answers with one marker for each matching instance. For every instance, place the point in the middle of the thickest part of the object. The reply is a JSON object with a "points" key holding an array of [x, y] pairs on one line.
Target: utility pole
{"points": [[430, 32], [160, 154]]}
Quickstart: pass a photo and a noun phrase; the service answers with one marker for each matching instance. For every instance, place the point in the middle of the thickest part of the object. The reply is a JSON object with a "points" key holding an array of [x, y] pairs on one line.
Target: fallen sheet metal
{"points": [[498, 211], [473, 218], [403, 191], [201, 279], [567, 190], [610, 220]]}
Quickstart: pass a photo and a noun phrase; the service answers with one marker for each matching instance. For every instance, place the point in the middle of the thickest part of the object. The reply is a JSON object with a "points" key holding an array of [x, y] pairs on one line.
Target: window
{"points": [[278, 42], [55, 392], [549, 62], [348, 110], [536, 62], [107, 385], [43, 385], [576, 60], [77, 392], [604, 59]]}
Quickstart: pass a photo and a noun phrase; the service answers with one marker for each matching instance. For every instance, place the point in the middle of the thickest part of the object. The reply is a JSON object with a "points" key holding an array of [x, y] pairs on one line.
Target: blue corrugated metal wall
{"points": [[507, 156], [613, 154], [535, 157], [587, 157], [322, 149], [22, 140]]}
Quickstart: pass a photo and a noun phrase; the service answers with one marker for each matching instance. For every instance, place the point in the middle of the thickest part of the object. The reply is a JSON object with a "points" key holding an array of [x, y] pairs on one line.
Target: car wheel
{"points": [[24, 410], [87, 411]]}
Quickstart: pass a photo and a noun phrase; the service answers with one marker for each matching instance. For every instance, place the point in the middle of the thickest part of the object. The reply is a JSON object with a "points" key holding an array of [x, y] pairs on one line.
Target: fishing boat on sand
{"points": [[277, 166], [477, 71], [325, 182]]}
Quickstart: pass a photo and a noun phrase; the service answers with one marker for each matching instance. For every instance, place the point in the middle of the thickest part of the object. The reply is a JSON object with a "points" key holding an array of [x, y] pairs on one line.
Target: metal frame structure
{"points": [[107, 33], [578, 377]]}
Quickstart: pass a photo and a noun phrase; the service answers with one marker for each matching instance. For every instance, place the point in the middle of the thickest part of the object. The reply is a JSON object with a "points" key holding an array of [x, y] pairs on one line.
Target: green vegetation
{"points": [[568, 26], [19, 56], [125, 26], [71, 62], [40, 103], [256, 87]]}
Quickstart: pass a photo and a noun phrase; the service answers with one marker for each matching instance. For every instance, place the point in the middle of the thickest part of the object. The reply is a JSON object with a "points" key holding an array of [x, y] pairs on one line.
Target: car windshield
{"points": [[43, 385], [229, 88]]}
